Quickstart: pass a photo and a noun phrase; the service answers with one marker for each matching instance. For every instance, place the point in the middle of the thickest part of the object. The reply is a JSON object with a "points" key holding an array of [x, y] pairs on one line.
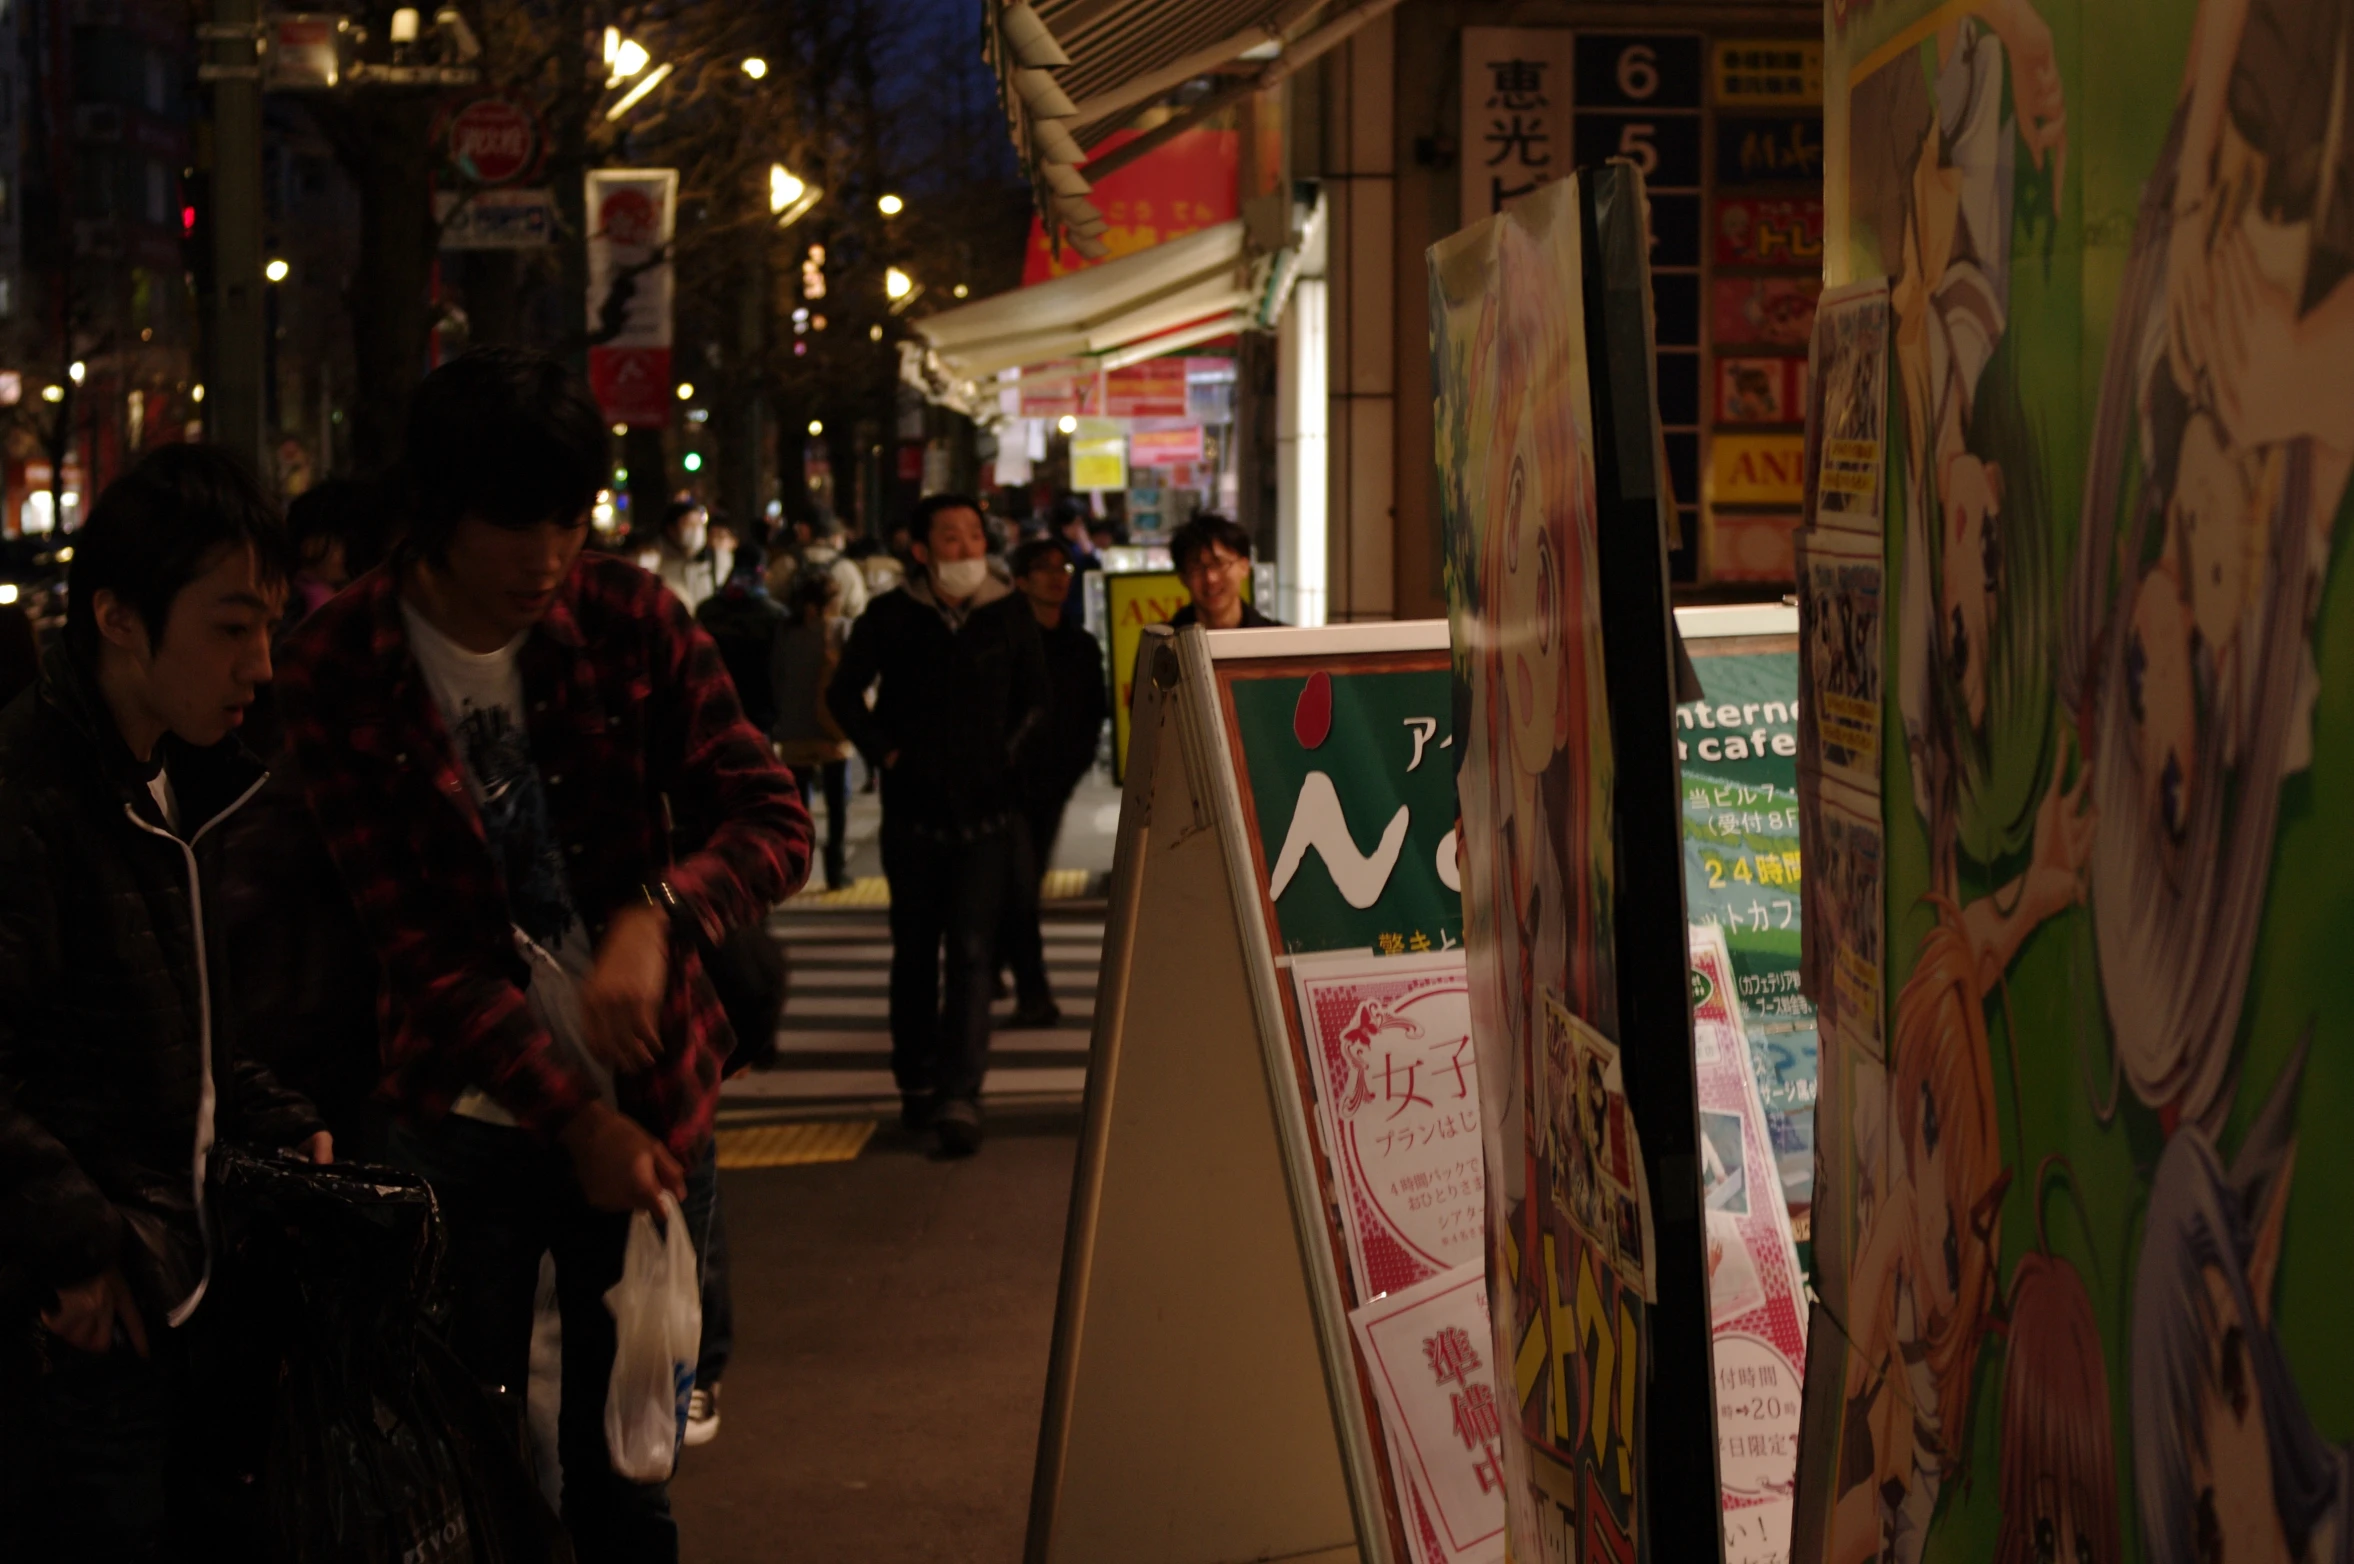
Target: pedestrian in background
{"points": [[1213, 555], [808, 739], [1051, 768], [962, 693], [744, 622], [341, 530], [819, 544], [681, 553], [120, 1063], [502, 739]]}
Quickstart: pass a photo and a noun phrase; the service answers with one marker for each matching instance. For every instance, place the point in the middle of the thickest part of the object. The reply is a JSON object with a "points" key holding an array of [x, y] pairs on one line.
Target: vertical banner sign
{"points": [[631, 212], [1568, 1255], [2093, 1299], [1516, 98]]}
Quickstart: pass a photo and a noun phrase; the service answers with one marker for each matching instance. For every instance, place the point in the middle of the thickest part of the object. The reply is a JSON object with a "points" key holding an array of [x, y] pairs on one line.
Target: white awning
{"points": [[1172, 296]]}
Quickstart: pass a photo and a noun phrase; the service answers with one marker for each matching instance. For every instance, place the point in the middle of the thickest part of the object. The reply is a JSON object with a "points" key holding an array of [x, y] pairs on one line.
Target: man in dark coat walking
{"points": [[963, 692], [1076, 706]]}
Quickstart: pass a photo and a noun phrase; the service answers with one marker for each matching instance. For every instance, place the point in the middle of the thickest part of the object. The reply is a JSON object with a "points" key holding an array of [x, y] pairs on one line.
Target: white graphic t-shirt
{"points": [[480, 695]]}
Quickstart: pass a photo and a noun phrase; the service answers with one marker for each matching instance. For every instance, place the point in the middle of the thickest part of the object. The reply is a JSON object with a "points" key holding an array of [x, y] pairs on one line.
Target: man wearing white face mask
{"points": [[963, 695]]}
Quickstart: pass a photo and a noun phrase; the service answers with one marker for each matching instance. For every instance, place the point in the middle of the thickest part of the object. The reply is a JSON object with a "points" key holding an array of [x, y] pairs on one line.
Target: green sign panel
{"points": [[1741, 872], [1352, 794]]}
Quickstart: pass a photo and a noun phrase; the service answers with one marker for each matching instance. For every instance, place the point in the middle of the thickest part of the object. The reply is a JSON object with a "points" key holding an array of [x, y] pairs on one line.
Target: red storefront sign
{"points": [[1175, 189]]}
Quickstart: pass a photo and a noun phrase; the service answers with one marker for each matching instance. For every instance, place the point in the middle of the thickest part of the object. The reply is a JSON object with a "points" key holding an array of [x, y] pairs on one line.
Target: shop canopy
{"points": [[1073, 71], [1193, 289]]}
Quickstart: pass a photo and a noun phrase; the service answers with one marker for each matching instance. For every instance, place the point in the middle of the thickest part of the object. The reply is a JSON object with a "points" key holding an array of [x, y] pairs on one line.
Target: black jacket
{"points": [[1252, 619], [110, 1007], [746, 625], [959, 706], [1076, 705]]}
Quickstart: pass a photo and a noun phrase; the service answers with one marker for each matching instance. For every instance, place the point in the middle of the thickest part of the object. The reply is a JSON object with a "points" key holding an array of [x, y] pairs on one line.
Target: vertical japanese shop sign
{"points": [[1569, 1229], [1516, 97], [631, 214]]}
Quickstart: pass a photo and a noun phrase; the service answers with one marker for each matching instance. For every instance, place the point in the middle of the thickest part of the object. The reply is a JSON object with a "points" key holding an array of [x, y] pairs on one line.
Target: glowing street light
{"points": [[277, 271], [789, 195], [646, 83], [7, 593], [196, 394], [756, 67], [960, 290], [897, 283], [890, 205], [686, 391], [817, 426], [624, 57], [53, 393], [76, 371]]}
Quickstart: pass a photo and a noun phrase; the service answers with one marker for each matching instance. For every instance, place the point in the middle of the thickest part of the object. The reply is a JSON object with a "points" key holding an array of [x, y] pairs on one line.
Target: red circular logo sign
{"points": [[494, 141], [629, 216]]}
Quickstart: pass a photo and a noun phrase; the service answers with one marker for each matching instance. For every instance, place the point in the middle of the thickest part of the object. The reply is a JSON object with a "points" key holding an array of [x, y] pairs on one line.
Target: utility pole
{"points": [[234, 397]]}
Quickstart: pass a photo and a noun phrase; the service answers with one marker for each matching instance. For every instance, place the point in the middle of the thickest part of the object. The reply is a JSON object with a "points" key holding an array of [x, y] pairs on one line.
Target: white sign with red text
{"points": [[1397, 1100], [1426, 1349]]}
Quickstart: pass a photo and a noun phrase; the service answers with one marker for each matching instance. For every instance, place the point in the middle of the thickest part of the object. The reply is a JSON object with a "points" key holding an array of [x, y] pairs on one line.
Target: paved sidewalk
{"points": [[893, 1315]]}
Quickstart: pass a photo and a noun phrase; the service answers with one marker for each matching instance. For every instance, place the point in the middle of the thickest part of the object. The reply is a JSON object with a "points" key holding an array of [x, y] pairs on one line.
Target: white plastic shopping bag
{"points": [[658, 1328]]}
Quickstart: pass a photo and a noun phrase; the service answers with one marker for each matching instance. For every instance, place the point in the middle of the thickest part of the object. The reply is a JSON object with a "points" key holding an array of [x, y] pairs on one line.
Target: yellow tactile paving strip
{"points": [[793, 1145], [872, 890]]}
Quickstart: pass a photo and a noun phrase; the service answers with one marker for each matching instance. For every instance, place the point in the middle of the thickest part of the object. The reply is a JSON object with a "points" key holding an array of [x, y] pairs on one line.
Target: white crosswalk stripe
{"points": [[834, 1048]]}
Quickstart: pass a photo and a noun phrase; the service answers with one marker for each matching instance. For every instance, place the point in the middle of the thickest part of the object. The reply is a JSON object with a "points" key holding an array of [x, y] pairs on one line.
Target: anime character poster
{"points": [[1567, 1234], [2093, 1300], [1847, 408]]}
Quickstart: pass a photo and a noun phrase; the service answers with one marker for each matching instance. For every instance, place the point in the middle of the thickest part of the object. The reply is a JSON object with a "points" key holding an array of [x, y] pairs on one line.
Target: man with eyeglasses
{"points": [[1213, 555]]}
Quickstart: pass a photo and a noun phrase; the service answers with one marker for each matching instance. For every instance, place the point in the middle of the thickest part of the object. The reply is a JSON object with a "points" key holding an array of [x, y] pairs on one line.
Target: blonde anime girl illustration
{"points": [[2217, 464]]}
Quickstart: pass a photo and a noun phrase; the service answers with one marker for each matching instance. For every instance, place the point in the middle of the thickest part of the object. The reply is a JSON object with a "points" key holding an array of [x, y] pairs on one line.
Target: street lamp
{"points": [[686, 391], [646, 83], [76, 370], [277, 271], [789, 195], [817, 426], [897, 283], [756, 67], [890, 205], [624, 57], [53, 394]]}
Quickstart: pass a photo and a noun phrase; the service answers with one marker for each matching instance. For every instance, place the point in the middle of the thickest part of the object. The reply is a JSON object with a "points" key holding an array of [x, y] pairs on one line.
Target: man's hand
{"points": [[621, 1000], [319, 1149], [85, 1315], [620, 1166]]}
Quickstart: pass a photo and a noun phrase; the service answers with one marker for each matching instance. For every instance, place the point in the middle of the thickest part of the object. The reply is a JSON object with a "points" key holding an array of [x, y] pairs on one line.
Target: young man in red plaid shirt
{"points": [[501, 739]]}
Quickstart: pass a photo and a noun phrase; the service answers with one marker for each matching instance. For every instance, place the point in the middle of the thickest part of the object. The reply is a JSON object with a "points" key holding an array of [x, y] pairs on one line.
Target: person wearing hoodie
{"points": [[963, 694]]}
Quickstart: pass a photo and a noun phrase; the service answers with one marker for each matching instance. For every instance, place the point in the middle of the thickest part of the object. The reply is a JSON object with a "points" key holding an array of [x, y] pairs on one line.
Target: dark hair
{"points": [[1025, 559], [1202, 532], [812, 586], [160, 526], [750, 560], [679, 510], [357, 514], [927, 509], [506, 434]]}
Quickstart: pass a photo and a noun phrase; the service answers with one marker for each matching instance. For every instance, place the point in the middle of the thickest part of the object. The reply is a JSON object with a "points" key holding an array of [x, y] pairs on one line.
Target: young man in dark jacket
{"points": [[498, 735], [963, 692], [1076, 704], [118, 1068]]}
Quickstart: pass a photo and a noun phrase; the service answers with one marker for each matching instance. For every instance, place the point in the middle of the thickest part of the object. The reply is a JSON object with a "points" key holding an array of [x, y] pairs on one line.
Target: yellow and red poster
{"points": [[1569, 1227]]}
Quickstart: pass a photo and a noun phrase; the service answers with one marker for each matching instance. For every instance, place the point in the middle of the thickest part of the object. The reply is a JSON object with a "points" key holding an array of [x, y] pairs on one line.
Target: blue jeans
{"points": [[508, 1200]]}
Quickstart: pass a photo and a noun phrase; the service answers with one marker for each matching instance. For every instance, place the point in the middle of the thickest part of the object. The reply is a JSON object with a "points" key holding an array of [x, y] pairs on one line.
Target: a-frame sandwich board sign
{"points": [[1205, 1404]]}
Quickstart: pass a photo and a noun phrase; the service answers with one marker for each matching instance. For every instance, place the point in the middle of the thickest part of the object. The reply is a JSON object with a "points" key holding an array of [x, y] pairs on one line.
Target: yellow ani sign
{"points": [[1757, 469], [1132, 600], [1768, 72], [1099, 455]]}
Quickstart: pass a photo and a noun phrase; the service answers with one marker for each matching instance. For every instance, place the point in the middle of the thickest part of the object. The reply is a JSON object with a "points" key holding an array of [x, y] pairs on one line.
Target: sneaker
{"points": [[915, 1111], [1033, 1017], [959, 1124], [703, 1414]]}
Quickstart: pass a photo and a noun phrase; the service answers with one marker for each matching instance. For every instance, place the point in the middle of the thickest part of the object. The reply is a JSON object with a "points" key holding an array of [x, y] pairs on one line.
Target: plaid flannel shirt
{"points": [[629, 707]]}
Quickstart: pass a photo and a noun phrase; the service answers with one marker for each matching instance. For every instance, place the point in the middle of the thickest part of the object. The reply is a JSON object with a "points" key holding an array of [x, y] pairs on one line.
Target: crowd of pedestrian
{"points": [[411, 828]]}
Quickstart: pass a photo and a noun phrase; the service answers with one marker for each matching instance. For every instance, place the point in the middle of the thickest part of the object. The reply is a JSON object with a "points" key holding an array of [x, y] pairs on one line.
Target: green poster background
{"points": [[2111, 298], [1741, 873], [1377, 766]]}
